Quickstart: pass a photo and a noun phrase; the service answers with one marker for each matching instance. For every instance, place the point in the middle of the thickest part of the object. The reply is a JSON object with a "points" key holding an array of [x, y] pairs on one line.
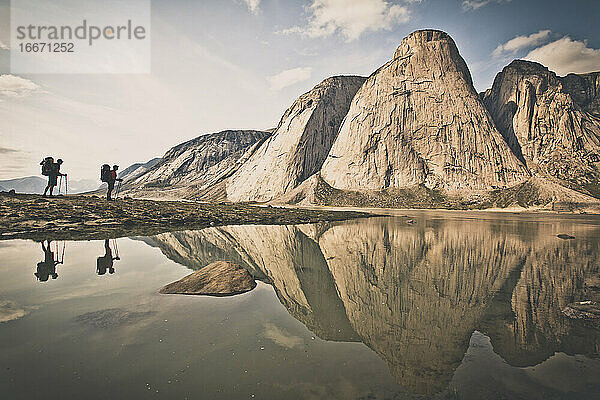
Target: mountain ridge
{"points": [[36, 184], [416, 133], [543, 117], [188, 169]]}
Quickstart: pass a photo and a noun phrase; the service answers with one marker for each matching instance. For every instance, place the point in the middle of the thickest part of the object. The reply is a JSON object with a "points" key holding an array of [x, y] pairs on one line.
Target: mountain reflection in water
{"points": [[416, 293]]}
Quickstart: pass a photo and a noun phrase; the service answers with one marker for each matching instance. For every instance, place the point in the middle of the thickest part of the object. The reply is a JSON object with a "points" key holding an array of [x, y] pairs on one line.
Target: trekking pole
{"points": [[118, 189], [60, 252], [59, 183], [66, 185], [116, 249]]}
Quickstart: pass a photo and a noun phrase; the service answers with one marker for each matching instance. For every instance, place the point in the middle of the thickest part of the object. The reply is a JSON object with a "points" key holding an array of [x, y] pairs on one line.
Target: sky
{"points": [[238, 64]]}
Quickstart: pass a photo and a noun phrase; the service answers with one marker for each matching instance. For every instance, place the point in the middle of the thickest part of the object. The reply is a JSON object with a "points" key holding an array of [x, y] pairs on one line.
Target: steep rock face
{"points": [[300, 144], [194, 168], [418, 120], [585, 90], [544, 119]]}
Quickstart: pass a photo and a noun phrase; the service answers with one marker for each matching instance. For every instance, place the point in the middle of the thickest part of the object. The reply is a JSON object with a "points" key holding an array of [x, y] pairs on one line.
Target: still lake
{"points": [[453, 306]]}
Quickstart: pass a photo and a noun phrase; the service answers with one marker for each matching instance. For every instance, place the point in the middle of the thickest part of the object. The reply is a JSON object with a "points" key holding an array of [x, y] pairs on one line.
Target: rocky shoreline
{"points": [[33, 217]]}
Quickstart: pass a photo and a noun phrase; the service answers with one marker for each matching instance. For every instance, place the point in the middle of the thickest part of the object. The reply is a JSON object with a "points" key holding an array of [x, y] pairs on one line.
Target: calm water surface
{"points": [[454, 306]]}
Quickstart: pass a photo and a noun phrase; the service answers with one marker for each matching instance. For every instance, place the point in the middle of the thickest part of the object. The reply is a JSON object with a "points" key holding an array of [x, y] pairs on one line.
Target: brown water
{"points": [[456, 305]]}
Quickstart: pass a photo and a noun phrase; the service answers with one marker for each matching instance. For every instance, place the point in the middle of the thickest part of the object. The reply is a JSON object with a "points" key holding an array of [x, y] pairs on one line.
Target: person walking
{"points": [[112, 179], [52, 170]]}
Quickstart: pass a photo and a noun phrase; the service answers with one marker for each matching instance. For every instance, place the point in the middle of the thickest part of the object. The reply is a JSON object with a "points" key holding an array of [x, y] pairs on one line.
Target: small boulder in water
{"points": [[221, 278], [564, 236]]}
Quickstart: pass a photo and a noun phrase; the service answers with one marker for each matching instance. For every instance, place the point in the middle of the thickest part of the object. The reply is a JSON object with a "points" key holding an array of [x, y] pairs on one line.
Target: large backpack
{"points": [[47, 166], [105, 173]]}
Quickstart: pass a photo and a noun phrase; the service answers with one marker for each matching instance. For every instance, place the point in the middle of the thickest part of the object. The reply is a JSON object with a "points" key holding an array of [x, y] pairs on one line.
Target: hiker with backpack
{"points": [[110, 177], [51, 169]]}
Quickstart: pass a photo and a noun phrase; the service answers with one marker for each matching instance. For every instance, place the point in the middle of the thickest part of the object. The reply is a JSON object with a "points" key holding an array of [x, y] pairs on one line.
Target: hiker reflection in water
{"points": [[106, 261], [47, 268]]}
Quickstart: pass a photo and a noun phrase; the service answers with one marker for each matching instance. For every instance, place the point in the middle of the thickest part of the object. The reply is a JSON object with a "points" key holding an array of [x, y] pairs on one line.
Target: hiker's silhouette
{"points": [[110, 177], [105, 263], [47, 268], [51, 169]]}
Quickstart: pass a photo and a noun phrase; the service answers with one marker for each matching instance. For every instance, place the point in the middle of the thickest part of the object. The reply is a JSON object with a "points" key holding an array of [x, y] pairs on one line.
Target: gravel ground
{"points": [[89, 217]]}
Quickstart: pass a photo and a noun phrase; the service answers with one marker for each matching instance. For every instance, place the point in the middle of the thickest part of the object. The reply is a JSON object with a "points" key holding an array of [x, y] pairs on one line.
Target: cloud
{"points": [[566, 55], [3, 46], [12, 164], [281, 337], [253, 5], [9, 311], [6, 150], [468, 5], [522, 42], [289, 77], [350, 17], [112, 317], [15, 86]]}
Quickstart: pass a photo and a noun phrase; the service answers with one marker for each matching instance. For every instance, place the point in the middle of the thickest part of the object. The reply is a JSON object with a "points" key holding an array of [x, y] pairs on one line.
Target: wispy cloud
{"points": [[281, 337], [12, 164], [15, 86], [289, 77], [7, 150], [350, 17], [522, 42], [566, 55], [253, 6], [468, 5], [9, 311]]}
